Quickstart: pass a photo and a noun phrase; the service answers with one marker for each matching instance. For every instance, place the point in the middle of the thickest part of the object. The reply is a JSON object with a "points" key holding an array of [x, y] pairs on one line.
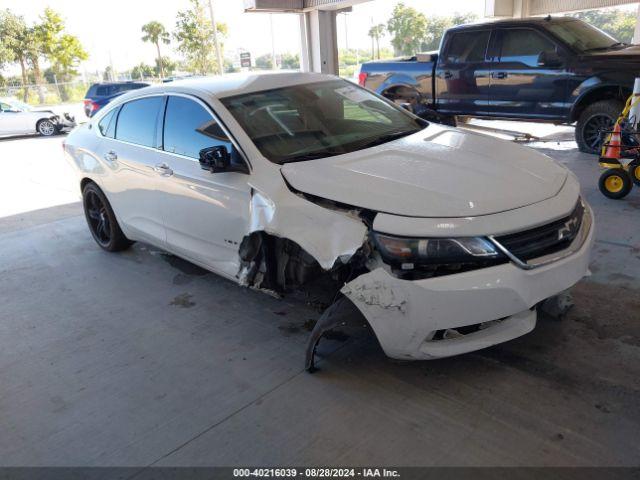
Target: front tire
{"points": [[594, 119], [46, 128], [101, 220]]}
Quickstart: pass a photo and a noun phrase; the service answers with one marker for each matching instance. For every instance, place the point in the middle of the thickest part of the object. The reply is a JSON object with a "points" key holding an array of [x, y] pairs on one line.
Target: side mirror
{"points": [[549, 59], [215, 159]]}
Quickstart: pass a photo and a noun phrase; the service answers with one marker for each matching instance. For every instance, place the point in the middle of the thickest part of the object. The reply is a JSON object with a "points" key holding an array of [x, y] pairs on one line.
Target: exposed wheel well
{"points": [[402, 92], [84, 182], [603, 93], [38, 123]]}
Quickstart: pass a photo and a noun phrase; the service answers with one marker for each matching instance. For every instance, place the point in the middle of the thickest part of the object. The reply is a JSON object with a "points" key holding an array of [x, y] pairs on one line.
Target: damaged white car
{"points": [[446, 241]]}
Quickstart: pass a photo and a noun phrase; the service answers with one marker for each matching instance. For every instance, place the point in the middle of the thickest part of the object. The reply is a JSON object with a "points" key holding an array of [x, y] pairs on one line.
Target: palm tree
{"points": [[154, 32], [376, 32]]}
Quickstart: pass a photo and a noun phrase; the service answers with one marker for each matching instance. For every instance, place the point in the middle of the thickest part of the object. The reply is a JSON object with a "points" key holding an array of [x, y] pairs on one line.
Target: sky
{"points": [[110, 30]]}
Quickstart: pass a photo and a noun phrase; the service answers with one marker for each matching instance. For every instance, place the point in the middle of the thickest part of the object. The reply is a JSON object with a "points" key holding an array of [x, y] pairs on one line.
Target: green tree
{"points": [[617, 23], [194, 34], [107, 75], [376, 33], [63, 50], [436, 26], [154, 32], [15, 37], [407, 27], [264, 62], [166, 65], [142, 71], [290, 61]]}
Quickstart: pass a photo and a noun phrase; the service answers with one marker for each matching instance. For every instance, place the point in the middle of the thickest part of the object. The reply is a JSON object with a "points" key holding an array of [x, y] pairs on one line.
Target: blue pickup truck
{"points": [[558, 70]]}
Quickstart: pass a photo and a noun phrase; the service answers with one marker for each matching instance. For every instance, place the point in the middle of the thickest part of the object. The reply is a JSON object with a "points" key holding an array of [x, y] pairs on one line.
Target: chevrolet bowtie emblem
{"points": [[568, 229]]}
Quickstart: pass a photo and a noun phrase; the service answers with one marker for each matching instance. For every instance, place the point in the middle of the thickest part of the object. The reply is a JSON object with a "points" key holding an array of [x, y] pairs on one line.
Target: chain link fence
{"points": [[46, 93]]}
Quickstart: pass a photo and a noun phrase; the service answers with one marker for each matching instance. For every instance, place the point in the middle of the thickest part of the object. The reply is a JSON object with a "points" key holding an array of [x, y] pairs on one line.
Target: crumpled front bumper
{"points": [[64, 122], [406, 315]]}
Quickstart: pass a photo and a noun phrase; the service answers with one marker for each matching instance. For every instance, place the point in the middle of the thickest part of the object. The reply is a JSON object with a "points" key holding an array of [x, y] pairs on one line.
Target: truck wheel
{"points": [[615, 183], [595, 119]]}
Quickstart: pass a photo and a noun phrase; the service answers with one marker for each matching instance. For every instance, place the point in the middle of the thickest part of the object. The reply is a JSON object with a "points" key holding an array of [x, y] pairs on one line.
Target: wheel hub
{"points": [[614, 183]]}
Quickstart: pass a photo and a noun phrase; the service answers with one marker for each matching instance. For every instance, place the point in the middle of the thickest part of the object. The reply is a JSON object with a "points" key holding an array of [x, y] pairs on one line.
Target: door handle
{"points": [[111, 156], [163, 169], [499, 75], [447, 74]]}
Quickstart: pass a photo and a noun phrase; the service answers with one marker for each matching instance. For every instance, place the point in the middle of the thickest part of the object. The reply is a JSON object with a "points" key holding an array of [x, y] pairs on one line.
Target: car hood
{"points": [[629, 52], [438, 172]]}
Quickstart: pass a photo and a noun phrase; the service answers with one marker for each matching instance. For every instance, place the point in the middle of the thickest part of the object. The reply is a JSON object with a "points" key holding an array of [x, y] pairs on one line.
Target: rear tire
{"points": [[593, 119], [615, 183], [101, 220]]}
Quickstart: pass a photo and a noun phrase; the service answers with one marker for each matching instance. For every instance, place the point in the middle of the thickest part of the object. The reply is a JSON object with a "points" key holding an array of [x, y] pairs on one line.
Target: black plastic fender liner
{"points": [[329, 319]]}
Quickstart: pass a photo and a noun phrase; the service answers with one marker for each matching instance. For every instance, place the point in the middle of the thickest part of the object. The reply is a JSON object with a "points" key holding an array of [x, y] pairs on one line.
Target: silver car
{"points": [[18, 118]]}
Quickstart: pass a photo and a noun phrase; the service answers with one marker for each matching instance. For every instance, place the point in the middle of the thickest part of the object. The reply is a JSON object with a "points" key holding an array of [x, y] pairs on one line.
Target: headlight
{"points": [[448, 255]]}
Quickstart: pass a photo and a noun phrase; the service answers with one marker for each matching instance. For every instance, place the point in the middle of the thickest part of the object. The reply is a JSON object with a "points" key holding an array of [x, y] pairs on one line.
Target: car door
{"points": [[462, 74], [129, 151], [206, 214], [10, 121], [528, 77]]}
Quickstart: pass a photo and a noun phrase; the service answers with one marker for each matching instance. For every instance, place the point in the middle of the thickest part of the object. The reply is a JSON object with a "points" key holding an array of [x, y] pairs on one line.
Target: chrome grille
{"points": [[546, 239]]}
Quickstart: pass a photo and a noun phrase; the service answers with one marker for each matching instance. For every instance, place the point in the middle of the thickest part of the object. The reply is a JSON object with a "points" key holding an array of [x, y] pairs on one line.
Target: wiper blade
{"points": [[387, 138], [310, 156]]}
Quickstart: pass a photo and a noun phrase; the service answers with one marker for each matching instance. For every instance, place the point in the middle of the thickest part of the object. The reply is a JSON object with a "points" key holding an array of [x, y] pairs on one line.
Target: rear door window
{"points": [[524, 45], [189, 128], [137, 121], [467, 47], [107, 125]]}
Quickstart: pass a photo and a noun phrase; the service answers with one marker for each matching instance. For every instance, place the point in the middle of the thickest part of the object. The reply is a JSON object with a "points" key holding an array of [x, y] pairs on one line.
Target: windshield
{"points": [[16, 104], [582, 36], [317, 120]]}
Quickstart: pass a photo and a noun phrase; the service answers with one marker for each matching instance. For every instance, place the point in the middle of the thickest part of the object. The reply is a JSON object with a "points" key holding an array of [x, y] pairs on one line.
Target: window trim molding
{"points": [[160, 121]]}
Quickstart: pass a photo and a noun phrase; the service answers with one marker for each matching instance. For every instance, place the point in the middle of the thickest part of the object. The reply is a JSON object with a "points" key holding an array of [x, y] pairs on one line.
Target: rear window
{"points": [[112, 89], [467, 47], [137, 121], [105, 90], [92, 91], [107, 124]]}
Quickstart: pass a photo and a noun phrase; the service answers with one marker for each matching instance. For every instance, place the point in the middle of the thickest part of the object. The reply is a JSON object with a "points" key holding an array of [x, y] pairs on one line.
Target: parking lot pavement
{"points": [[141, 359], [34, 174]]}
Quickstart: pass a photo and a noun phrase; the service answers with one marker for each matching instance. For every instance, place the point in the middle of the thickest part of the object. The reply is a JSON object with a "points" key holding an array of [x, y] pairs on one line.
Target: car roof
{"points": [[233, 83], [119, 82], [514, 22]]}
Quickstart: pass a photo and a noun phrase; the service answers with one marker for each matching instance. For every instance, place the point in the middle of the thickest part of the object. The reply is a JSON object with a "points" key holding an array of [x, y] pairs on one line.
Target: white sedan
{"points": [[446, 241], [18, 118]]}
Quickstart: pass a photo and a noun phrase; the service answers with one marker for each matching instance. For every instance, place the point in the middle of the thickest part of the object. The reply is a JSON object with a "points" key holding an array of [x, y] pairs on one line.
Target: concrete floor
{"points": [[142, 359]]}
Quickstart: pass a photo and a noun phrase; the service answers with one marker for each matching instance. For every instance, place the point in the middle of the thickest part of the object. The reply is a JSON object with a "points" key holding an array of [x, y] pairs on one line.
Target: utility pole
{"points": [[346, 35], [215, 39], [273, 44], [113, 70], [373, 52]]}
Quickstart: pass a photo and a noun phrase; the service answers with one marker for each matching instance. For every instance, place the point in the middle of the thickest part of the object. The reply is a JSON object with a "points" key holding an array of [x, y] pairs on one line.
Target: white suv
{"points": [[446, 241]]}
